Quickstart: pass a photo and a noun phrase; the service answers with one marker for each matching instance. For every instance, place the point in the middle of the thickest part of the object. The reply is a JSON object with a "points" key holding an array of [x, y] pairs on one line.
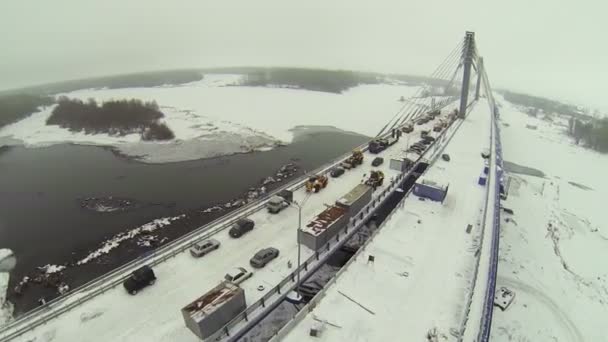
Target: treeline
{"points": [[117, 117], [148, 79], [19, 106], [547, 105], [593, 134], [332, 81]]}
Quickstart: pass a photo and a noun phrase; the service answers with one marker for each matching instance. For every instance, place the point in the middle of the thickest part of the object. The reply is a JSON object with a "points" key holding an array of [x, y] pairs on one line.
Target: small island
{"points": [[115, 117]]}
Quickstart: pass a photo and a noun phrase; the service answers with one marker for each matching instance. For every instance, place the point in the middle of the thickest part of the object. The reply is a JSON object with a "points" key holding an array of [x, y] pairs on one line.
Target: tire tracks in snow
{"points": [[560, 315]]}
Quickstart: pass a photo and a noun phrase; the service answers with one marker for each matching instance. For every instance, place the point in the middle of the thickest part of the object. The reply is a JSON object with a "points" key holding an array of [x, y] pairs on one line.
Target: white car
{"points": [[238, 275], [202, 248]]}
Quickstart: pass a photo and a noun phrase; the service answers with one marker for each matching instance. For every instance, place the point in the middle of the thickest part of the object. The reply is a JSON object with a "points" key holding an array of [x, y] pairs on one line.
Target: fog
{"points": [[540, 47]]}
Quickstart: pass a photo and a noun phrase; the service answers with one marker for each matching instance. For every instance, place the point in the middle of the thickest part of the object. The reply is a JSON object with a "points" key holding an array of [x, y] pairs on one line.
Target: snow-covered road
{"points": [[424, 258], [154, 313]]}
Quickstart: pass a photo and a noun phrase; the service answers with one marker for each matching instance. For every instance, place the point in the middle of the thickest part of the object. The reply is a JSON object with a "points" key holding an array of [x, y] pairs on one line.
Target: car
{"points": [[424, 133], [238, 275], [445, 157], [428, 138], [419, 146], [377, 161], [263, 256], [202, 248], [336, 172], [346, 166], [425, 142], [421, 122], [140, 278], [240, 227]]}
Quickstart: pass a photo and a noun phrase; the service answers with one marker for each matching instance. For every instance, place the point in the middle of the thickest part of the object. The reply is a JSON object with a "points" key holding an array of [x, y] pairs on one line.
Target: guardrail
{"points": [[486, 322], [482, 316], [64, 303]]}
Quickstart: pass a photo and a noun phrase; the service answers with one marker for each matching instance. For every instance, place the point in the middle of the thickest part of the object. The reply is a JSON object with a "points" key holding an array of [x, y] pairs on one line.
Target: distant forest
{"points": [[593, 134], [332, 81], [147, 79], [120, 117], [19, 106], [547, 105]]}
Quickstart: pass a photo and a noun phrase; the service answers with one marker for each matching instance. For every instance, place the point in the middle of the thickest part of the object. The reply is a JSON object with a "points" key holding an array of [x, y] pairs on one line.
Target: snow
{"points": [[49, 269], [423, 259], [155, 311], [553, 247], [211, 117], [7, 262], [116, 240]]}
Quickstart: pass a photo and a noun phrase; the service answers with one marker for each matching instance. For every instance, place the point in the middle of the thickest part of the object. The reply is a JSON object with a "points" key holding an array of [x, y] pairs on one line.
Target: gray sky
{"points": [[545, 47]]}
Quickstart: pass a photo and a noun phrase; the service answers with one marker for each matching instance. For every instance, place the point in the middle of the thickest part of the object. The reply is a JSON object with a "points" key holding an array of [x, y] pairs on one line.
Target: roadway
{"points": [[424, 259], [154, 313]]}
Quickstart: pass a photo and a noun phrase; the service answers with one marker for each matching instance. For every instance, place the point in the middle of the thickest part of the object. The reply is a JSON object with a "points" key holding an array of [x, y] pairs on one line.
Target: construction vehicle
{"points": [[355, 159], [376, 178], [316, 183]]}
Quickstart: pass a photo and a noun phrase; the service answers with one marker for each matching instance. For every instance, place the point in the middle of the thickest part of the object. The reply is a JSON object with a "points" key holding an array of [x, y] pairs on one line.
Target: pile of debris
{"points": [[286, 171]]}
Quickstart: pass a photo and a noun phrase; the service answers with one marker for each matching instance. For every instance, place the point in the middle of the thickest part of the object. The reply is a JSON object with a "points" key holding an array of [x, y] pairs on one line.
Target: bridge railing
{"points": [[486, 322]]}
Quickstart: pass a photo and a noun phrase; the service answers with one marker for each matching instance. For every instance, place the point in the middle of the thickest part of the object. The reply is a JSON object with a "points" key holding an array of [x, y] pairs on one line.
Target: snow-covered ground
{"points": [[553, 250], [215, 117], [155, 311], [423, 259], [7, 262]]}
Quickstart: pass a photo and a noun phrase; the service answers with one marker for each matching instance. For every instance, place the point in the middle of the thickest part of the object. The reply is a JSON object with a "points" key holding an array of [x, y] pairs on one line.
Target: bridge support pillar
{"points": [[479, 73], [467, 55]]}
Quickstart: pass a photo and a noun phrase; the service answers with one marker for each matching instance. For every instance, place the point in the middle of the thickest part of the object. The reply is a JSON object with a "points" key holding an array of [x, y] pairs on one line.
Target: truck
{"points": [[210, 312], [376, 178], [316, 183], [377, 145], [279, 202], [355, 159]]}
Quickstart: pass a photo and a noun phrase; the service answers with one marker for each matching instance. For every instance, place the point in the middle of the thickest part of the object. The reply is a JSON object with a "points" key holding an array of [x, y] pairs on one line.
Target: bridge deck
{"points": [[154, 313], [424, 258]]}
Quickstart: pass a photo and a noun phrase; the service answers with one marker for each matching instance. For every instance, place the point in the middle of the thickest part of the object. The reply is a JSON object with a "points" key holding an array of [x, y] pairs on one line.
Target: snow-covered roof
{"points": [[210, 301], [354, 195], [324, 220]]}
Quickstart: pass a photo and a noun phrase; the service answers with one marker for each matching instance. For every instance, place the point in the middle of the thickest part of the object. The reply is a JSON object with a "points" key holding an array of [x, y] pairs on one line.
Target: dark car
{"points": [[425, 142], [140, 278], [241, 227], [428, 138], [264, 256], [377, 161], [336, 172]]}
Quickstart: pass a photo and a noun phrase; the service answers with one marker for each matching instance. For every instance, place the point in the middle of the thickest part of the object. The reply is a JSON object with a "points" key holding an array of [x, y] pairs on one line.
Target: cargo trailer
{"points": [[208, 313]]}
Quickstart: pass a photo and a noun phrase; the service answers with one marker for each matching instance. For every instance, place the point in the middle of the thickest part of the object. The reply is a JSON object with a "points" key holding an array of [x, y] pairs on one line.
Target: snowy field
{"points": [[215, 117], [155, 311], [553, 249], [424, 259]]}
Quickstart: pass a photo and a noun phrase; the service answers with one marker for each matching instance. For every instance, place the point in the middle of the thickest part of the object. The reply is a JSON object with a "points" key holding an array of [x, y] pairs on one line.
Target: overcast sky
{"points": [[544, 47]]}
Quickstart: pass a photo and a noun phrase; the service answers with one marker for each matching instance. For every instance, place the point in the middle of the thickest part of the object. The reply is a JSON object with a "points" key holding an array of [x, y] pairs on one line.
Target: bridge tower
{"points": [[467, 59]]}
